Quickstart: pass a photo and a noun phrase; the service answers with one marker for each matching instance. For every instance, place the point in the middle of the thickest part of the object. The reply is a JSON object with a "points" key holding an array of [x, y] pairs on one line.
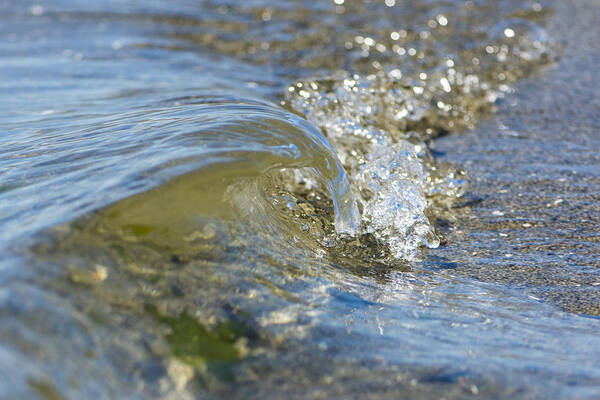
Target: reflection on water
{"points": [[233, 199]]}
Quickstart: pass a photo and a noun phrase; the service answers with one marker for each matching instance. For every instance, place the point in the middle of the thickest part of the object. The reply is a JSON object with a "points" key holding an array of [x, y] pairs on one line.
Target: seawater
{"points": [[259, 199]]}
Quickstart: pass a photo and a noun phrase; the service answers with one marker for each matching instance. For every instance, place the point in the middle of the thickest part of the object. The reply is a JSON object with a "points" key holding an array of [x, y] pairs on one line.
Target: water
{"points": [[257, 199]]}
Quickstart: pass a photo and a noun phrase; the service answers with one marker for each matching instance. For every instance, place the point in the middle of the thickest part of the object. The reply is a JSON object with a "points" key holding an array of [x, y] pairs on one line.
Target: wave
{"points": [[359, 128], [176, 198], [223, 158]]}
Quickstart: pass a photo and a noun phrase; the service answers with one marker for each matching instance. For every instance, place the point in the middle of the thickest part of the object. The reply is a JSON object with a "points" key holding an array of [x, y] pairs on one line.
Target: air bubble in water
{"points": [[521, 38]]}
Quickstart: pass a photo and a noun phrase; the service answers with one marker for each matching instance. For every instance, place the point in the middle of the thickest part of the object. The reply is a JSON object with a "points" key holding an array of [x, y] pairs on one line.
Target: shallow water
{"points": [[335, 200]]}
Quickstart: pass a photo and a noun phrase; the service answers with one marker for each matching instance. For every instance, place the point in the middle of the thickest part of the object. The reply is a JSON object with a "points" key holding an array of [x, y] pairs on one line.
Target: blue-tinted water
{"points": [[257, 199]]}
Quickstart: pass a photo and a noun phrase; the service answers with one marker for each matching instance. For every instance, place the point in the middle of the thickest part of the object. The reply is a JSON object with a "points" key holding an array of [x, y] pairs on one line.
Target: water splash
{"points": [[379, 125]]}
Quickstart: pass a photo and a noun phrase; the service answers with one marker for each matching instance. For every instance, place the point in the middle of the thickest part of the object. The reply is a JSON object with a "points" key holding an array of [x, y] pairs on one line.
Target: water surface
{"points": [[340, 199]]}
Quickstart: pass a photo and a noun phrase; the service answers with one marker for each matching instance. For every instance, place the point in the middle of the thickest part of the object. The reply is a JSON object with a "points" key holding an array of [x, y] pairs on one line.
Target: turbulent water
{"points": [[259, 199]]}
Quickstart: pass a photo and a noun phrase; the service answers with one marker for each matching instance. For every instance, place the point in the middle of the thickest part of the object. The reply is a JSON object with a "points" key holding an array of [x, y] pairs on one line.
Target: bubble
{"points": [[520, 38]]}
